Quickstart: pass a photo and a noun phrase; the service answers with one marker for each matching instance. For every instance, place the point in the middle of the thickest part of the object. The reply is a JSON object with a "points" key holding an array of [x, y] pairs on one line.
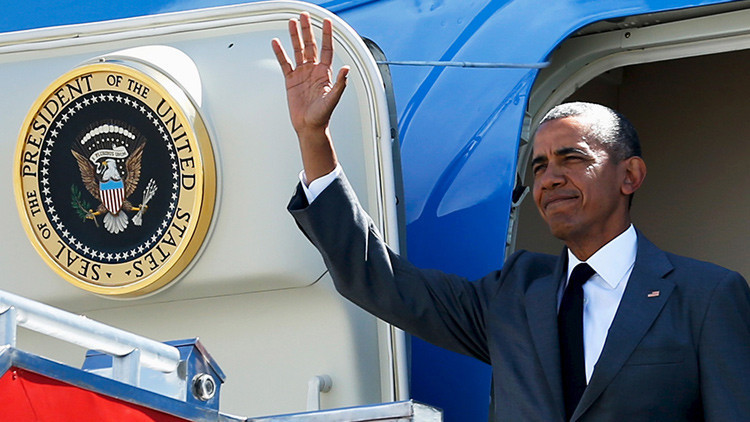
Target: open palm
{"points": [[311, 93]]}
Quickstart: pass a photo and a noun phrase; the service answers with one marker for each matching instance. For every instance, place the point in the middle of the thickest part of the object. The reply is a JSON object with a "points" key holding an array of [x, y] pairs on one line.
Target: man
{"points": [[633, 334]]}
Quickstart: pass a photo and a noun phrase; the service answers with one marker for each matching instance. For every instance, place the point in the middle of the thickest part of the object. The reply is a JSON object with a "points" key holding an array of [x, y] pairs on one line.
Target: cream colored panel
{"points": [[254, 295], [253, 244]]}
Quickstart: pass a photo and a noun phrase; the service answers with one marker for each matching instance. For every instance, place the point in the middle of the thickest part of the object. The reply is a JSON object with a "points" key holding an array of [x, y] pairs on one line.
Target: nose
{"points": [[550, 177]]}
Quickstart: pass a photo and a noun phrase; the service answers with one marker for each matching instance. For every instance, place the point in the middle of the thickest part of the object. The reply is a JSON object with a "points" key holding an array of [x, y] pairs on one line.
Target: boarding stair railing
{"points": [[129, 351]]}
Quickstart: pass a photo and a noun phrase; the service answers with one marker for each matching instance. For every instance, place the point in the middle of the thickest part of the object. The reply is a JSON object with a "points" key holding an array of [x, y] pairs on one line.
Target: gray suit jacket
{"points": [[680, 355]]}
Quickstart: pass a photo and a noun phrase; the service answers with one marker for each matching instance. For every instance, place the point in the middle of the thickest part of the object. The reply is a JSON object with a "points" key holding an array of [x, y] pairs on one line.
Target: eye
{"points": [[538, 168], [573, 158]]}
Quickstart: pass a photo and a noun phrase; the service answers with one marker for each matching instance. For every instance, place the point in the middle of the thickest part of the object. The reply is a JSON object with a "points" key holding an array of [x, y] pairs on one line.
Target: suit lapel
{"points": [[541, 311], [638, 309]]}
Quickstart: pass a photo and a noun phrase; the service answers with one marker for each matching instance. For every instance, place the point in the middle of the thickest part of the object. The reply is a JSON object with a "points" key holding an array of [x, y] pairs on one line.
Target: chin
{"points": [[560, 230]]}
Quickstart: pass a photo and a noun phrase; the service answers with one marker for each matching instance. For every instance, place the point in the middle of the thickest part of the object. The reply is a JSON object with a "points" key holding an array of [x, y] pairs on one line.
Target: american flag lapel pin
{"points": [[654, 293]]}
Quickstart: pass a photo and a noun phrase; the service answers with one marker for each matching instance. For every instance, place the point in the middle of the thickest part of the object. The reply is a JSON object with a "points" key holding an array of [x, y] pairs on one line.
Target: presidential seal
{"points": [[115, 179]]}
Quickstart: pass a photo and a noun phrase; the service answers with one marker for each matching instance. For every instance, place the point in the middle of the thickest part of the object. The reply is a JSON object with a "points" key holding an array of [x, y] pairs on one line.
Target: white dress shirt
{"points": [[318, 185], [602, 293]]}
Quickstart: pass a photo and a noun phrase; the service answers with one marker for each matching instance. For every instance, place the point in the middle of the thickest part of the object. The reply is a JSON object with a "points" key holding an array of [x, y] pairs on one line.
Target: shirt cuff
{"points": [[318, 185]]}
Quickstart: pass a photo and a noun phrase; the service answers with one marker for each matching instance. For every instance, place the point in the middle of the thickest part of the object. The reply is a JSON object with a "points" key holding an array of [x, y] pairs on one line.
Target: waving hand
{"points": [[311, 93]]}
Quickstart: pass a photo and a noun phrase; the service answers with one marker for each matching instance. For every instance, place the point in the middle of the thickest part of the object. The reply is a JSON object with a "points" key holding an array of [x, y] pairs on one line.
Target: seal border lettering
{"points": [[201, 211]]}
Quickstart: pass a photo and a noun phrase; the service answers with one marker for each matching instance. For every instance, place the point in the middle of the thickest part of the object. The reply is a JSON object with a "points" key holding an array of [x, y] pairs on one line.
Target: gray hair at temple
{"points": [[609, 127]]}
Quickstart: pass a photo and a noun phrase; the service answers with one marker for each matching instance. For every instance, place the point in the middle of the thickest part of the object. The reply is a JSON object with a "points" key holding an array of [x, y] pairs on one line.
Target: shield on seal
{"points": [[112, 194]]}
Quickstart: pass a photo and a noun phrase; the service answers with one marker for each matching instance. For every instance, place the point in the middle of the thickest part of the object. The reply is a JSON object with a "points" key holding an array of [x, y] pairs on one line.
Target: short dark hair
{"points": [[607, 126]]}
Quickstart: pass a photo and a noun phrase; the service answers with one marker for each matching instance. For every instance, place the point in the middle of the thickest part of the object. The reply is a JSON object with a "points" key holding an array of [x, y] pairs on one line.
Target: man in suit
{"points": [[632, 333]]}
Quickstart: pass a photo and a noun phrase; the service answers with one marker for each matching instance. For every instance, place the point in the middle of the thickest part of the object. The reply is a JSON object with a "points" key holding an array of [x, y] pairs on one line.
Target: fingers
{"points": [[304, 45], [310, 50], [326, 50], [296, 41], [283, 59]]}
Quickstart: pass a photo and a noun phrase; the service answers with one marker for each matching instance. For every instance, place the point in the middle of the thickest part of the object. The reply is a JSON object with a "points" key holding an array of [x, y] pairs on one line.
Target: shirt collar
{"points": [[613, 260]]}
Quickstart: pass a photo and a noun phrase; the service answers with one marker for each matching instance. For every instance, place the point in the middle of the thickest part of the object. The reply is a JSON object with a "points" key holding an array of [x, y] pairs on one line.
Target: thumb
{"points": [[338, 88]]}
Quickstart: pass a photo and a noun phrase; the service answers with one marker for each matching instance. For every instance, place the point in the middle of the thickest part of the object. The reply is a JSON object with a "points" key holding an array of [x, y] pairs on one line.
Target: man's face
{"points": [[577, 185]]}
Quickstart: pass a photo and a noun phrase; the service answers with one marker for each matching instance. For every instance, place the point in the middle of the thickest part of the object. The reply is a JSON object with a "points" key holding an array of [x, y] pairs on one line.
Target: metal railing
{"points": [[129, 351]]}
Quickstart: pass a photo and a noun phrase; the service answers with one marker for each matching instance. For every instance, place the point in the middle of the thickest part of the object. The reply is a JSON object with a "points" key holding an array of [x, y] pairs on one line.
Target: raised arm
{"points": [[311, 93]]}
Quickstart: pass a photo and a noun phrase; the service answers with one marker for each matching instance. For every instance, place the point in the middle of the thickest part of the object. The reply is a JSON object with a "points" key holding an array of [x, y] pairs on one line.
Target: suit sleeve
{"points": [[443, 309], [724, 352]]}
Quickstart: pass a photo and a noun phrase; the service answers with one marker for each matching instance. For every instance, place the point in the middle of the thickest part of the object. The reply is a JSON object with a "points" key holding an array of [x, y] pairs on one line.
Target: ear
{"points": [[635, 173]]}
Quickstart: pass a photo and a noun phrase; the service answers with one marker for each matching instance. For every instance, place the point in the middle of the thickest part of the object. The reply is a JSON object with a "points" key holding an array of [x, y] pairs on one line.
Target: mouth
{"points": [[558, 200]]}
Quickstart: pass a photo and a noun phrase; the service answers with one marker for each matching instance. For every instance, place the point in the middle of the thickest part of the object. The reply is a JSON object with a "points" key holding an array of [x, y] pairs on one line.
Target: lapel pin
{"points": [[655, 293]]}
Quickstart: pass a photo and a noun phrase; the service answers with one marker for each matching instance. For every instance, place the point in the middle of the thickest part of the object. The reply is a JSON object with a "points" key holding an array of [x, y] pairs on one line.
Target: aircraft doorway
{"points": [[692, 117]]}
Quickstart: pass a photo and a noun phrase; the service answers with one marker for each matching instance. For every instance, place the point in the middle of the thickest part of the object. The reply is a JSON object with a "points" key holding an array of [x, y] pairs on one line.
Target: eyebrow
{"points": [[539, 159], [570, 150]]}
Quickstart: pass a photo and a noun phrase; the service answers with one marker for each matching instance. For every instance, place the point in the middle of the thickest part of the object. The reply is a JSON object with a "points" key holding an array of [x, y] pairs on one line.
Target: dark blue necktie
{"points": [[570, 328]]}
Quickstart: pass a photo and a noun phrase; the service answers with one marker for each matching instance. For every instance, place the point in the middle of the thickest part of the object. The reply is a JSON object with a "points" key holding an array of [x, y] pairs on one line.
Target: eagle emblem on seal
{"points": [[109, 156]]}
